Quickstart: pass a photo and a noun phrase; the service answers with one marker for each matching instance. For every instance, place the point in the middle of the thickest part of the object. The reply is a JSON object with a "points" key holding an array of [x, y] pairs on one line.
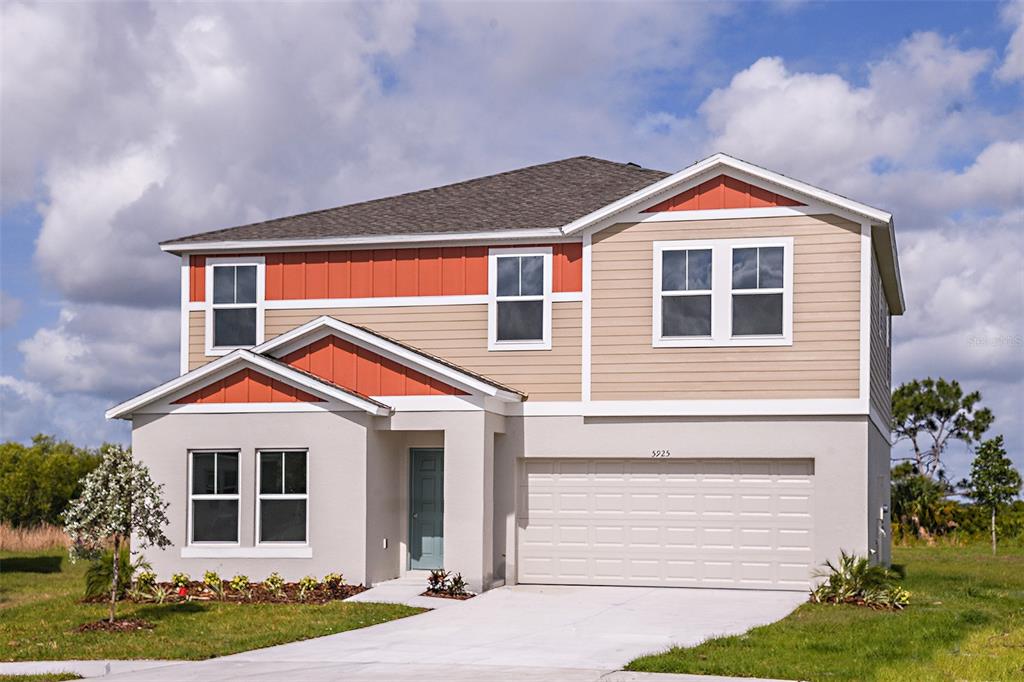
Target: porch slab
{"points": [[406, 590]]}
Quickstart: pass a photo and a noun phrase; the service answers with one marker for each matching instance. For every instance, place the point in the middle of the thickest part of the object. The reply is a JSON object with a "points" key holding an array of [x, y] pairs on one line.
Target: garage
{"points": [[666, 522]]}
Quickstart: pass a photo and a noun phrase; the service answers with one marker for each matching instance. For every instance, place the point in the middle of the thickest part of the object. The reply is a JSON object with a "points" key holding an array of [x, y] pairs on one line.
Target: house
{"points": [[580, 372]]}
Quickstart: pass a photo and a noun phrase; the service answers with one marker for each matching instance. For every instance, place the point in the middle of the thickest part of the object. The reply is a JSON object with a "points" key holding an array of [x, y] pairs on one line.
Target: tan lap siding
{"points": [[197, 340], [881, 352], [821, 363], [458, 333]]}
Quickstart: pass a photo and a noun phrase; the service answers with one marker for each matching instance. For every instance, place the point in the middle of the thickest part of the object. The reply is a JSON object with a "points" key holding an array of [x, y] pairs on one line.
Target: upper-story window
{"points": [[723, 292], [519, 311], [235, 309]]}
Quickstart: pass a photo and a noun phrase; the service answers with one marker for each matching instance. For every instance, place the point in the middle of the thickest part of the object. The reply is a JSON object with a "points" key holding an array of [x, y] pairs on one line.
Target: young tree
{"points": [[994, 481], [929, 413], [118, 500]]}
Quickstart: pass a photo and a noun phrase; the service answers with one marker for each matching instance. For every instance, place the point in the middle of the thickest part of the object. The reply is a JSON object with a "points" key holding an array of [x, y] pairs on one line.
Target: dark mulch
{"points": [[255, 594], [445, 595], [119, 625]]}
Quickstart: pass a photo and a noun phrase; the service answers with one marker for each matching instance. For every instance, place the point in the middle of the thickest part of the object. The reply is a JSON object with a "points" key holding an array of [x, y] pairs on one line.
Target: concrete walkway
{"points": [[406, 590], [511, 633]]}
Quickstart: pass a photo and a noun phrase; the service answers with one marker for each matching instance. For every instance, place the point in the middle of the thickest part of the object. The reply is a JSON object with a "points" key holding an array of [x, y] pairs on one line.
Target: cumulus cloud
{"points": [[1012, 68], [10, 310], [27, 408]]}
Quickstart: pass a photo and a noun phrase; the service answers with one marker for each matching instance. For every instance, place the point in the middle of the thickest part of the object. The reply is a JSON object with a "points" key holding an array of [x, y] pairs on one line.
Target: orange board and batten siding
{"points": [[247, 386], [823, 361], [722, 192], [357, 369], [380, 273]]}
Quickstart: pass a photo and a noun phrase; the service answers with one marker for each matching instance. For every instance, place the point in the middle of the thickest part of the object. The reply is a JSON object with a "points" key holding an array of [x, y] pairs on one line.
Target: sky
{"points": [[123, 124]]}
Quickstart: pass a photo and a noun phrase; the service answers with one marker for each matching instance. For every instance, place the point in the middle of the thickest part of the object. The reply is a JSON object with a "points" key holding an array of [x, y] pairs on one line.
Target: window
{"points": [[686, 292], [214, 497], [519, 317], [757, 291], [234, 305], [723, 292], [282, 506]]}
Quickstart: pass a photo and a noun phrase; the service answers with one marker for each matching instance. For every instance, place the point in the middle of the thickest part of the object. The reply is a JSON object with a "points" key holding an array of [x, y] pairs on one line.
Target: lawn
{"points": [[965, 622], [40, 607]]}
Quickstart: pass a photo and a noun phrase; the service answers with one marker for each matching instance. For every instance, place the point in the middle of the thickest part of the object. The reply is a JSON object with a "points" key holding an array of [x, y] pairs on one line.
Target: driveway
{"points": [[521, 632]]}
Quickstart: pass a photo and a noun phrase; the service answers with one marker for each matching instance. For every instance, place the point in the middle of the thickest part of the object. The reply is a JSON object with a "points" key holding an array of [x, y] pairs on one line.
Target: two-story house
{"points": [[580, 372]]}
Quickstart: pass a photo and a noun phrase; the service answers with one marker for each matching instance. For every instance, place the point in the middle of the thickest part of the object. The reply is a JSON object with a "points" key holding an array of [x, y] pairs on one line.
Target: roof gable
{"points": [[345, 364], [723, 192], [247, 386]]}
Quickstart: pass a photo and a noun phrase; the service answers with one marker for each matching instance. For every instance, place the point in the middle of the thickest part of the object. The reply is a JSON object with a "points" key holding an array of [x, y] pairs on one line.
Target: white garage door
{"points": [[670, 522]]}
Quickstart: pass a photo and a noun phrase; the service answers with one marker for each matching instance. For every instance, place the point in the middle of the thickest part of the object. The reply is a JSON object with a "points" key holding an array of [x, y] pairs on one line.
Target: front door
{"points": [[426, 508]]}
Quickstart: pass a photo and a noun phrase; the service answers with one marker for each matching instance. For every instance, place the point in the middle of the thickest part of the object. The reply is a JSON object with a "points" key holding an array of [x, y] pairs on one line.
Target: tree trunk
{"points": [[993, 530], [117, 570]]}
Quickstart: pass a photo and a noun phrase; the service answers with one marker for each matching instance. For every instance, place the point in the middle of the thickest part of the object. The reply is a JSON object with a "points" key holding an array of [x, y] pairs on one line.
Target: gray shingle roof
{"points": [[548, 195]]}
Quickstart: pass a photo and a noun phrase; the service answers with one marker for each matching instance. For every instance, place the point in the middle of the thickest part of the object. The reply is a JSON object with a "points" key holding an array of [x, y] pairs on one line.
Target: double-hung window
{"points": [[235, 303], [214, 497], [519, 312], [723, 292], [283, 498]]}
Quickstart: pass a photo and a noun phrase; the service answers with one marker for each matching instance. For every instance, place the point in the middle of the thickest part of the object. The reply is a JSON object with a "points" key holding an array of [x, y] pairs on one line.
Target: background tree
{"points": [[928, 413], [993, 482], [119, 500], [920, 505], [37, 481]]}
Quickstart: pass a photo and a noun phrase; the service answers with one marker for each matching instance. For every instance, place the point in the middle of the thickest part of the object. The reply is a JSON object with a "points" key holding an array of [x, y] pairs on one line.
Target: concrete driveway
{"points": [[521, 632]]}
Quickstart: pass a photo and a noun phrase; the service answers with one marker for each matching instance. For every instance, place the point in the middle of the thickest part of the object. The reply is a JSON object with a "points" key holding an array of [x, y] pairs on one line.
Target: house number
{"points": [[661, 453]]}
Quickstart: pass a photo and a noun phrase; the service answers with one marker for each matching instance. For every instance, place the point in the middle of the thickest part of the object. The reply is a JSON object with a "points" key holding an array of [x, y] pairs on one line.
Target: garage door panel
{"points": [[724, 523]]}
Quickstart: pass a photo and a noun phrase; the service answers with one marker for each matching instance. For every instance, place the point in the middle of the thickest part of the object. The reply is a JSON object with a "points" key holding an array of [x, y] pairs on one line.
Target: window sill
{"points": [[519, 345], [722, 343], [198, 552]]}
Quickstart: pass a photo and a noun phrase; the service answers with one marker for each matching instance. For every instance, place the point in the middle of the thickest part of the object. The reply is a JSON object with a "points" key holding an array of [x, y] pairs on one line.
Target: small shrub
{"points": [[456, 586], [274, 583], [437, 580], [180, 580], [214, 584], [160, 594], [855, 580], [99, 575], [333, 581], [306, 585], [145, 580], [240, 583]]}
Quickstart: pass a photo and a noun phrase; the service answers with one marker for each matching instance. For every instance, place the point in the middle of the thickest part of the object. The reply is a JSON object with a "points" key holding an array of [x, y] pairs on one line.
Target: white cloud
{"points": [[26, 408], [1012, 68], [10, 310]]}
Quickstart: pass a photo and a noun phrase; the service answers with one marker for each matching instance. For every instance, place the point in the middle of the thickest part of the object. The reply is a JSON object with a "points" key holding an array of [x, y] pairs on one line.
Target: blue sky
{"points": [[125, 124]]}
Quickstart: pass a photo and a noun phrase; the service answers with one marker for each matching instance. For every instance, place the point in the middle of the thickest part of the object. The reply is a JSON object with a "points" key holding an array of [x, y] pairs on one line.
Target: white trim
{"points": [[127, 408], [378, 302], [280, 496], [722, 293], [876, 419], [263, 552], [865, 311], [587, 340], [237, 497], [724, 214], [185, 246], [544, 343], [244, 408], [185, 308], [795, 407], [434, 403], [324, 325], [215, 261], [566, 296]]}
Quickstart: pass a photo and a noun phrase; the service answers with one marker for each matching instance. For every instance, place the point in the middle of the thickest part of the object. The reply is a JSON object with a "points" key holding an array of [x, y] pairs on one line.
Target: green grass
{"points": [[40, 607], [965, 622], [45, 677]]}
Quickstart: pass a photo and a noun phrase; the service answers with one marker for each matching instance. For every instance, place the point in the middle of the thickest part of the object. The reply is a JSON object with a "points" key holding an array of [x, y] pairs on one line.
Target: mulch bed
{"points": [[119, 625], [445, 595], [256, 594]]}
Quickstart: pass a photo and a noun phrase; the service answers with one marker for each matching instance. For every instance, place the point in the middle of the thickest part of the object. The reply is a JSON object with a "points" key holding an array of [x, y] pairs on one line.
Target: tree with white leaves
{"points": [[119, 500]]}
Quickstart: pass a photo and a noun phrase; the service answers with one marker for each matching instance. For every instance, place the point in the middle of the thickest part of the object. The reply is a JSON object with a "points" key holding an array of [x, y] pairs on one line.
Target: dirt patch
{"points": [[445, 595], [119, 625]]}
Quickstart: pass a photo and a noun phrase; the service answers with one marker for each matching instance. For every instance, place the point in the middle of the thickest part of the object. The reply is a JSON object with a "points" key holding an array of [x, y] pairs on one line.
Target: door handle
{"points": [[415, 515]]}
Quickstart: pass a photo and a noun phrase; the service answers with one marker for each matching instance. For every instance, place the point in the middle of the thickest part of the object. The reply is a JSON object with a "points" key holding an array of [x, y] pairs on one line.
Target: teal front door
{"points": [[426, 508]]}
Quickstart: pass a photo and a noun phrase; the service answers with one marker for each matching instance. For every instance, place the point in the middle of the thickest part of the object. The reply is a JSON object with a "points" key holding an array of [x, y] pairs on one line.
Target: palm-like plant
{"points": [[855, 580]]}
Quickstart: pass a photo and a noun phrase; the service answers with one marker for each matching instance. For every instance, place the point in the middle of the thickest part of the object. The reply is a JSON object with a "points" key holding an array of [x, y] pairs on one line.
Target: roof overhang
{"points": [[399, 352], [245, 358]]}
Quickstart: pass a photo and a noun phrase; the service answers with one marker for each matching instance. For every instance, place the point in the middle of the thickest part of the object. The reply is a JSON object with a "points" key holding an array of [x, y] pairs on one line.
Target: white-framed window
{"points": [[519, 299], [723, 292], [235, 298], [282, 502], [213, 508]]}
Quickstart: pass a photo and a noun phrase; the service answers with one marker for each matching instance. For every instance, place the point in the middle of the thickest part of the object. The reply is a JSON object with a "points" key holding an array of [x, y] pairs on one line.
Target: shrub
{"points": [[181, 580], [437, 580], [333, 581], [274, 584], [306, 585], [240, 583], [456, 586], [38, 480], [99, 576], [855, 580], [214, 584], [145, 580], [443, 582]]}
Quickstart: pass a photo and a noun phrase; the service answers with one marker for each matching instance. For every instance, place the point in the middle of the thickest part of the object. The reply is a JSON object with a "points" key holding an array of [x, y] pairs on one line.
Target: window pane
{"points": [[282, 520], [508, 276], [245, 284], [223, 285], [295, 473], [227, 473], [215, 520], [756, 314], [673, 270], [202, 473], [698, 270], [520, 320], [771, 268], [270, 472], [234, 327], [532, 283], [744, 268], [686, 316]]}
